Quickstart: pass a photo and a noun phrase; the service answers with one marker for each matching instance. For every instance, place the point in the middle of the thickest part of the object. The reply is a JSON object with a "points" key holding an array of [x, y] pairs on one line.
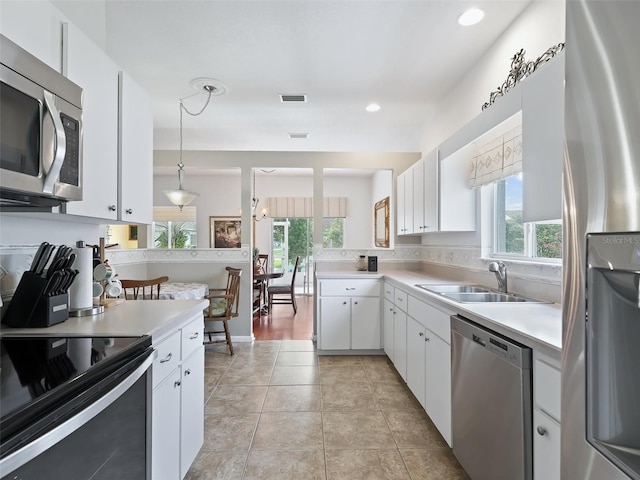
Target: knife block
{"points": [[31, 308]]}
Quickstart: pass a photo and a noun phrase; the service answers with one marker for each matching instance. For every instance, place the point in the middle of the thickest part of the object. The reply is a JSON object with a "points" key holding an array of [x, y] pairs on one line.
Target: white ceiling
{"points": [[404, 55]]}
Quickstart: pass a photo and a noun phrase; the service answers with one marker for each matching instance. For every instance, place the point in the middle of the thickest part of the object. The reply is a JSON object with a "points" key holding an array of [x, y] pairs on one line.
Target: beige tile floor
{"points": [[276, 410]]}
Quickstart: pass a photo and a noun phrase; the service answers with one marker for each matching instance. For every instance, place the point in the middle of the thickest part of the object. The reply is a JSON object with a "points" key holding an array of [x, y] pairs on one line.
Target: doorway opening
{"points": [[292, 237]]}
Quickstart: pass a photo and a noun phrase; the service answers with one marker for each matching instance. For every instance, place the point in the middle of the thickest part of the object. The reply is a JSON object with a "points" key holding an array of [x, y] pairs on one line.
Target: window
{"points": [[332, 232], [513, 237], [172, 228]]}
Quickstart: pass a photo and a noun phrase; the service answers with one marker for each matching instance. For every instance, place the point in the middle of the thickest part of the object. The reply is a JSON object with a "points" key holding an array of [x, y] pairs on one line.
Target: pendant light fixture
{"points": [[180, 196]]}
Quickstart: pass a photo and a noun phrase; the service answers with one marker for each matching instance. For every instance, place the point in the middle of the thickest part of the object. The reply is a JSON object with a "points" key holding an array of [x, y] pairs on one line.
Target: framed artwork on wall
{"points": [[133, 232], [224, 232], [381, 223]]}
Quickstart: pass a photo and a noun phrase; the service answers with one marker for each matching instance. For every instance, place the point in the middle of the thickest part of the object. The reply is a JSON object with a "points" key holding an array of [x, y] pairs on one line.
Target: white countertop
{"points": [[128, 319], [537, 325]]}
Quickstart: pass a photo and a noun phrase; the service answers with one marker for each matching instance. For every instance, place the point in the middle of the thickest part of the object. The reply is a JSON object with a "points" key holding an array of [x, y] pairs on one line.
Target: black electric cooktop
{"points": [[39, 373]]}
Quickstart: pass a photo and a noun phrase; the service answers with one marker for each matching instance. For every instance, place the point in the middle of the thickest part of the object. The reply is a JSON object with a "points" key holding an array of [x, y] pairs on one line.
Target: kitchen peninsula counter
{"points": [[130, 318]]}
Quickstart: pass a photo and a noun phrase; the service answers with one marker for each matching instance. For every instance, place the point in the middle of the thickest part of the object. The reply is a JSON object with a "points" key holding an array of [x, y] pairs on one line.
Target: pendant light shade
{"points": [[181, 197]]}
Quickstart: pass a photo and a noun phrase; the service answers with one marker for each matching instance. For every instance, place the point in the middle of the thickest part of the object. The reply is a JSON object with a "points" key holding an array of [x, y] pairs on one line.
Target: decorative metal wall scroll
{"points": [[521, 69]]}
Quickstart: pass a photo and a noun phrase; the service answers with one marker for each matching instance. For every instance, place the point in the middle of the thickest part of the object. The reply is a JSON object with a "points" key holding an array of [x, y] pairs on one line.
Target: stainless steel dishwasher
{"points": [[491, 403]]}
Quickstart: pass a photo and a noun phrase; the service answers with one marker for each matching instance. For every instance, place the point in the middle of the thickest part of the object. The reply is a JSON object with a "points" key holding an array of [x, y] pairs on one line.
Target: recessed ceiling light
{"points": [[471, 17], [372, 107]]}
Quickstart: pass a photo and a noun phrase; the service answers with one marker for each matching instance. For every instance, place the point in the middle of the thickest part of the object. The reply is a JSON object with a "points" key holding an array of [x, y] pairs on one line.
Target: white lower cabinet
{"points": [[546, 417], [387, 328], [349, 315], [437, 401], [177, 401], [335, 331], [191, 410], [165, 426], [400, 342], [416, 359]]}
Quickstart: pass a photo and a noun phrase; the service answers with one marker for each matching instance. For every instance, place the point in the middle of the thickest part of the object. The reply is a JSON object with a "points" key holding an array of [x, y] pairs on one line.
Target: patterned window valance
{"points": [[174, 214], [496, 159], [302, 207]]}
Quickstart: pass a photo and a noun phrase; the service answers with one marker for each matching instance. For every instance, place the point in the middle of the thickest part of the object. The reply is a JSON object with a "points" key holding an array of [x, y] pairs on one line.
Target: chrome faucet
{"points": [[500, 269]]}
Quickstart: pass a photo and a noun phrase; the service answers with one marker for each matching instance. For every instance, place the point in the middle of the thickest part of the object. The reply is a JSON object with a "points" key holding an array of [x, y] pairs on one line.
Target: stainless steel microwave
{"points": [[40, 132]]}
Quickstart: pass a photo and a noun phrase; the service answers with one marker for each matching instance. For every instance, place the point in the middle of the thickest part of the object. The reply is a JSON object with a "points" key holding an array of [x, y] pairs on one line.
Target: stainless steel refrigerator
{"points": [[601, 287]]}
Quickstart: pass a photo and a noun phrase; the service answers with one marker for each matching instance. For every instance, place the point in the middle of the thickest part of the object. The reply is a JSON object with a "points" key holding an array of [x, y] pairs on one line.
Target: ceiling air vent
{"points": [[298, 135], [292, 98]]}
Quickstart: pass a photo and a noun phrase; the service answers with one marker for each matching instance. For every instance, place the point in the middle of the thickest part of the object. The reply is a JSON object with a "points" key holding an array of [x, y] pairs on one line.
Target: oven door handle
{"points": [[25, 454]]}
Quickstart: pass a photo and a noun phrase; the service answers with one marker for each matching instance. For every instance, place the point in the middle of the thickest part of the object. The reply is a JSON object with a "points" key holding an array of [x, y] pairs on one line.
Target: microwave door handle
{"points": [[60, 144]]}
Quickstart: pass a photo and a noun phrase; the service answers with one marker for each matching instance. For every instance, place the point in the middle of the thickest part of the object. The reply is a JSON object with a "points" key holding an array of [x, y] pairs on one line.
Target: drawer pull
{"points": [[344, 303], [194, 336], [355, 303], [112, 208], [350, 288], [541, 430], [177, 383], [421, 334], [187, 372], [167, 358]]}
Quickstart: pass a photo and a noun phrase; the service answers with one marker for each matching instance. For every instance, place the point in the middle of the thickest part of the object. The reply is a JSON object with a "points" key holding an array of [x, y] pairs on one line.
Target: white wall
{"points": [[219, 196], [541, 26]]}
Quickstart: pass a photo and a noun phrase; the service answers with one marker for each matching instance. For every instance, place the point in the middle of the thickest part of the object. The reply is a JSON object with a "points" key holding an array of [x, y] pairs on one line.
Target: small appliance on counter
{"points": [[81, 292], [372, 265], [41, 298]]}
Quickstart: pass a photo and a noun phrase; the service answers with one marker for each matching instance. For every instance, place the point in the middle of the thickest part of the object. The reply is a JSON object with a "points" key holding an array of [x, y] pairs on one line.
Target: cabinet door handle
{"points": [[421, 334], [194, 336], [355, 303], [167, 358], [112, 208], [541, 430], [187, 372], [426, 339], [344, 303], [129, 211], [177, 383]]}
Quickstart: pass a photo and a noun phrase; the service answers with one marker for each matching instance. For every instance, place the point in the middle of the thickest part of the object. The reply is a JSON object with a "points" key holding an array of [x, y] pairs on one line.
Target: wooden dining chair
{"points": [[284, 294], [223, 306], [131, 288], [260, 286]]}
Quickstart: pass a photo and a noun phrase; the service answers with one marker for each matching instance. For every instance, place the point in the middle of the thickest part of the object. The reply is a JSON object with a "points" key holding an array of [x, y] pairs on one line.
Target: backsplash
{"points": [[455, 262]]}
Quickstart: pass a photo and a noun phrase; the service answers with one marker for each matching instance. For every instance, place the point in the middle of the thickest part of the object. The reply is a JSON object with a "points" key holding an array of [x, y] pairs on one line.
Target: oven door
{"points": [[103, 433]]}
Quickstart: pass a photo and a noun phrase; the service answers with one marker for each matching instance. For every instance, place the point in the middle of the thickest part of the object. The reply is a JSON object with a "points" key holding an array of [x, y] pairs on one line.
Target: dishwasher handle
{"points": [[477, 339]]}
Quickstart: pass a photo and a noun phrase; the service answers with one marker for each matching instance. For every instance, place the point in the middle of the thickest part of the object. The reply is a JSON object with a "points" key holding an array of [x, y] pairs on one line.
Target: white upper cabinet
{"points": [[543, 141], [135, 159], [88, 66], [430, 192], [42, 37], [457, 203], [405, 202], [417, 221]]}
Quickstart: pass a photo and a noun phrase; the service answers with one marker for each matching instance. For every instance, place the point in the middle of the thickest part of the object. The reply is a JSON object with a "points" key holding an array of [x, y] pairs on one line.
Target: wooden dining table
{"points": [[262, 279]]}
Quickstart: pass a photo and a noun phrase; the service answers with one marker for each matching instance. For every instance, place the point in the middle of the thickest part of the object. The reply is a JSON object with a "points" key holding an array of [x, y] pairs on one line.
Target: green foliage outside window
{"points": [[179, 235], [332, 232]]}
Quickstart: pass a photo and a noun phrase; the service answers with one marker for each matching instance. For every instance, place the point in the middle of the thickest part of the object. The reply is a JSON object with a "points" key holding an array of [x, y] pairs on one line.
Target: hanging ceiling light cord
{"points": [[182, 197]]}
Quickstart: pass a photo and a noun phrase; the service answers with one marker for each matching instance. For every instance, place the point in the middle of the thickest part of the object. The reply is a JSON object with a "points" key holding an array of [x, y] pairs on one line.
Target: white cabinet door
{"points": [[335, 323], [438, 383], [387, 328], [430, 192], [546, 447], [416, 359], [543, 142], [400, 343], [417, 171], [192, 410], [365, 323], [35, 27], [135, 159], [165, 436], [89, 67], [457, 202], [401, 205]]}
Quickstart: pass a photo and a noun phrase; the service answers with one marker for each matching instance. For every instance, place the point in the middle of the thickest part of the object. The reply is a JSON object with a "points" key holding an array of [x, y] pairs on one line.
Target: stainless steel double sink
{"points": [[476, 294]]}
